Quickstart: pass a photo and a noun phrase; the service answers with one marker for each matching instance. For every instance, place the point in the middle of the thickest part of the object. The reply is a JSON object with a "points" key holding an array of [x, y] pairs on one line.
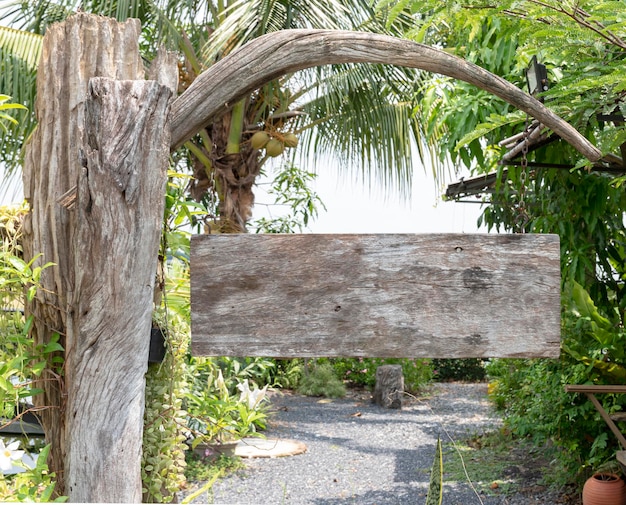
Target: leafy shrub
{"points": [[21, 361], [163, 456], [466, 369], [532, 396], [32, 485], [287, 373], [362, 371], [321, 380], [223, 408], [258, 371]]}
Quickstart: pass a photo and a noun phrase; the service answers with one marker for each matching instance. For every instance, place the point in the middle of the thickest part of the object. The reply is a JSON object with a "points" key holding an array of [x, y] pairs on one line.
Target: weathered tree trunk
{"points": [[109, 139], [389, 386], [120, 204], [82, 47]]}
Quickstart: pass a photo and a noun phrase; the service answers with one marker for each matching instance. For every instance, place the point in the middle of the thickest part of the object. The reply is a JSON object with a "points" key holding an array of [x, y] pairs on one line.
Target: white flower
{"points": [[8, 454], [221, 385], [252, 398]]}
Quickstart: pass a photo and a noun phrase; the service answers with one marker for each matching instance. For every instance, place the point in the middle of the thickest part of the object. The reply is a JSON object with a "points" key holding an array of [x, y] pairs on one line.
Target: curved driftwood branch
{"points": [[283, 52]]}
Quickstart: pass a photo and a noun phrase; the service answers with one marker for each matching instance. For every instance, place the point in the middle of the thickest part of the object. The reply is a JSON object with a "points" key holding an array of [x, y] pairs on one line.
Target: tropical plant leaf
{"points": [[19, 55], [495, 121], [435, 488], [23, 45]]}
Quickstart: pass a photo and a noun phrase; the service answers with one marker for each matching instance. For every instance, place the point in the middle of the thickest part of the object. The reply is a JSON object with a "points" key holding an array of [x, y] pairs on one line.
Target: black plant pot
{"points": [[157, 346]]}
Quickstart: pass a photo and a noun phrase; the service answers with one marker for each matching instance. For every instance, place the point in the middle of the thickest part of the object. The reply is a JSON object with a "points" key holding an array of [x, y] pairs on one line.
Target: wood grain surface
{"points": [[437, 296]]}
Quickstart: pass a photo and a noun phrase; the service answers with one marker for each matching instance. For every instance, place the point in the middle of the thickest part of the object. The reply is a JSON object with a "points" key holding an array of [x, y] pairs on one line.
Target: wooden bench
{"points": [[609, 419]]}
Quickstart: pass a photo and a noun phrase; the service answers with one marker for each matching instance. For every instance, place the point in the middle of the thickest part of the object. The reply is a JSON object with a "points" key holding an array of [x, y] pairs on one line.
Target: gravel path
{"points": [[359, 453]]}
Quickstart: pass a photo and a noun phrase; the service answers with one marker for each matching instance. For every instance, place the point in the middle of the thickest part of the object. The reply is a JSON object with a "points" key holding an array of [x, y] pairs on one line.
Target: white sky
{"points": [[351, 208]]}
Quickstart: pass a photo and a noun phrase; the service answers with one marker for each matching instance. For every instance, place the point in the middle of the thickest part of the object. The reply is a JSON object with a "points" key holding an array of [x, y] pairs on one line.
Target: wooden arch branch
{"points": [[283, 52]]}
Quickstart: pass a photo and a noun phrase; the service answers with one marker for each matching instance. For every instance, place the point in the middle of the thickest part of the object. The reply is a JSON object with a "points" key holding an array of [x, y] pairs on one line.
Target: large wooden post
{"points": [[95, 179], [119, 206]]}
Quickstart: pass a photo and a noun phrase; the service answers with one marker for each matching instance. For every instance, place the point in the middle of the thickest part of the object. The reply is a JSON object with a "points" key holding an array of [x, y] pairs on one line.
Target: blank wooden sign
{"points": [[435, 296]]}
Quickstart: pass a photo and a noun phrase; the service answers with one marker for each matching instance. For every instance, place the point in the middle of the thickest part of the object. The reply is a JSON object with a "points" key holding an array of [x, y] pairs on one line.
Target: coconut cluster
{"points": [[274, 144]]}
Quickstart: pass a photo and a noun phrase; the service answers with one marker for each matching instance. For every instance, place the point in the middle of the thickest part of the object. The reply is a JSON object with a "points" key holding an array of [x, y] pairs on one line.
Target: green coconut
{"points": [[290, 140], [274, 148], [259, 140]]}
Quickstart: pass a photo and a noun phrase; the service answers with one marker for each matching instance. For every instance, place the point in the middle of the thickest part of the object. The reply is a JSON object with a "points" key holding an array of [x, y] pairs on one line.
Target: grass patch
{"points": [[200, 469], [497, 463]]}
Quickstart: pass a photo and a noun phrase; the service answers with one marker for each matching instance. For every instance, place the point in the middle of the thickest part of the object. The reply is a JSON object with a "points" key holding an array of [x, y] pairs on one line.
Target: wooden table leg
{"points": [[607, 420]]}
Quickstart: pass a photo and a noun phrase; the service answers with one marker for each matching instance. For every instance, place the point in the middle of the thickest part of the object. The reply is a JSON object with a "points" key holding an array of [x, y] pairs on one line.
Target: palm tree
{"points": [[361, 114]]}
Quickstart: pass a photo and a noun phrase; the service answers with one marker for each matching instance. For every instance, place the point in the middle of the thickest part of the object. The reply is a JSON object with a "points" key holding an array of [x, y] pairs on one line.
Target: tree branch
{"points": [[275, 54]]}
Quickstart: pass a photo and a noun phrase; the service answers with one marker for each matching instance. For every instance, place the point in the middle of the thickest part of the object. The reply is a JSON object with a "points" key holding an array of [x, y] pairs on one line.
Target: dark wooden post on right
{"points": [[389, 386]]}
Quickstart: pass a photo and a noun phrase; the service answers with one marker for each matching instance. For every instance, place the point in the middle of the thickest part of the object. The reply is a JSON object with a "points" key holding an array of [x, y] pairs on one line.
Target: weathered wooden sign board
{"points": [[432, 296]]}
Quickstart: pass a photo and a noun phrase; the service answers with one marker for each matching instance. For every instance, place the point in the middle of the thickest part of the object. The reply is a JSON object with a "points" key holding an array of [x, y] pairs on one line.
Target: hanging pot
{"points": [[604, 489], [157, 345], [212, 451]]}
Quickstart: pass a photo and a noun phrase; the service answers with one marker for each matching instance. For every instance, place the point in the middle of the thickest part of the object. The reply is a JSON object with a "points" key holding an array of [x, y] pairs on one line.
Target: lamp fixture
{"points": [[536, 77]]}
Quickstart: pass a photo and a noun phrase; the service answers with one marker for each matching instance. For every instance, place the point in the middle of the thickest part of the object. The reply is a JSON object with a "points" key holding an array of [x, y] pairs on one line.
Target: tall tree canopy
{"points": [[583, 46]]}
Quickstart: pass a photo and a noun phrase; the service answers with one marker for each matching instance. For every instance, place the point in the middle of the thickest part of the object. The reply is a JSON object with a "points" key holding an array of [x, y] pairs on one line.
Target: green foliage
{"points": [[582, 46], [287, 373], [216, 413], [435, 487], [531, 392], [21, 360], [291, 189], [163, 457], [362, 371], [454, 111], [200, 471], [586, 211], [468, 369], [257, 371], [594, 339], [532, 395], [33, 485], [180, 213], [321, 380], [8, 106], [19, 55]]}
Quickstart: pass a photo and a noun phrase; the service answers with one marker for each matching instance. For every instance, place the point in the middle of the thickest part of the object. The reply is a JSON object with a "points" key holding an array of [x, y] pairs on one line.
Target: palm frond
{"points": [[19, 55], [23, 45], [245, 20], [35, 16], [364, 116]]}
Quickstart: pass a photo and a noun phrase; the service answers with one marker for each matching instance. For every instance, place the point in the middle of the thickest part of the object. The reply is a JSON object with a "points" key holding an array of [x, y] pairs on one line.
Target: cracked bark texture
{"points": [[106, 143]]}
